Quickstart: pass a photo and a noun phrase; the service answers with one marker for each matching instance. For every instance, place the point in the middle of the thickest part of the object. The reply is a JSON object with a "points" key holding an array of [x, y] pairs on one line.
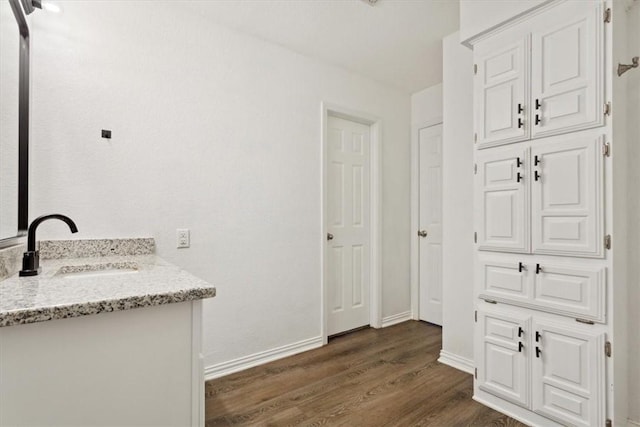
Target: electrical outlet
{"points": [[183, 238]]}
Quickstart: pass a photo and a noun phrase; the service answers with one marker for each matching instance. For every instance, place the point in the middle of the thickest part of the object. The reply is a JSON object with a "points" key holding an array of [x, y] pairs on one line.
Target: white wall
{"points": [[457, 233], [426, 105], [633, 218], [478, 16], [213, 131]]}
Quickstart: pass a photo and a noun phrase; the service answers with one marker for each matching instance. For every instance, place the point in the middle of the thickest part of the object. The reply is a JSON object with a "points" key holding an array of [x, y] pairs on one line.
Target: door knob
{"points": [[422, 233], [329, 236]]}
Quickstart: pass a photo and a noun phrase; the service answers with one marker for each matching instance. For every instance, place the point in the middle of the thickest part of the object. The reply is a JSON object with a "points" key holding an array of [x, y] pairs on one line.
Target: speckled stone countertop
{"points": [[73, 287]]}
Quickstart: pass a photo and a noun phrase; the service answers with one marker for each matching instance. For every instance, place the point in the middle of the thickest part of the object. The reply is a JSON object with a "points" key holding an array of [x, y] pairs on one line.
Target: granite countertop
{"points": [[73, 287]]}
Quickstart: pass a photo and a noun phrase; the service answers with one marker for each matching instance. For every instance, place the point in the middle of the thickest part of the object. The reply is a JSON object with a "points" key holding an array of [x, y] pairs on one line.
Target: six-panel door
{"points": [[503, 355], [501, 90], [568, 369], [567, 68], [567, 208], [502, 199]]}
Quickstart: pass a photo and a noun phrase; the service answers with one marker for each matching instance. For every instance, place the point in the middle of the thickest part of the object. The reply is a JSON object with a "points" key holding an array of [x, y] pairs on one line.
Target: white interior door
{"points": [[430, 223], [348, 227]]}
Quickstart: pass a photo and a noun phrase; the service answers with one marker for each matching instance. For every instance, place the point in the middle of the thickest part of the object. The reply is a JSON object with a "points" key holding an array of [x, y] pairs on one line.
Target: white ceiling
{"points": [[397, 42]]}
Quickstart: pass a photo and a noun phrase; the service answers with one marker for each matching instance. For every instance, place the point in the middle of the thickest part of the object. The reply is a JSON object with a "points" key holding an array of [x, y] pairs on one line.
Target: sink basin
{"points": [[97, 270]]}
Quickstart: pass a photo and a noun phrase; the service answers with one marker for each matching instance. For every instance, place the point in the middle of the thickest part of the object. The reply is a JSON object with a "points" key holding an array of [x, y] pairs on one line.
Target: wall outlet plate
{"points": [[183, 238]]}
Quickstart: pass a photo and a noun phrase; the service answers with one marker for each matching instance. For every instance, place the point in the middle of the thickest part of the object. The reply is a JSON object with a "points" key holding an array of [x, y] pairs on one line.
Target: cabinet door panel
{"points": [[502, 361], [500, 88], [503, 280], [568, 377], [571, 290], [502, 199], [567, 69], [567, 206]]}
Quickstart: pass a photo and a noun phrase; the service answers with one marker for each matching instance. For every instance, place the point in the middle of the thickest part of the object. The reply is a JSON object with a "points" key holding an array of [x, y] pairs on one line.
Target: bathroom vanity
{"points": [[107, 334]]}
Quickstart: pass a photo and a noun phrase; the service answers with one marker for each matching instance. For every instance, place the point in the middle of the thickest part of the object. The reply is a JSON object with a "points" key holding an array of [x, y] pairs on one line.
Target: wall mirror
{"points": [[14, 122]]}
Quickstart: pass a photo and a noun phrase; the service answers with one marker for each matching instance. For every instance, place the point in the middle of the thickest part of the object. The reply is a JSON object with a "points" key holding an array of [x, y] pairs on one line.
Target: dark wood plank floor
{"points": [[372, 377]]}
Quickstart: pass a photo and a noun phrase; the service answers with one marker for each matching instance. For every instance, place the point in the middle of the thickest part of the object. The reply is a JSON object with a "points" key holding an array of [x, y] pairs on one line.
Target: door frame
{"points": [[375, 206], [415, 211]]}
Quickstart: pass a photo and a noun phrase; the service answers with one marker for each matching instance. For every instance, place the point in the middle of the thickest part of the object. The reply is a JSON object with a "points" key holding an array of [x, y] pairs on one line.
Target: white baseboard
{"points": [[458, 362], [394, 319], [245, 362], [631, 423]]}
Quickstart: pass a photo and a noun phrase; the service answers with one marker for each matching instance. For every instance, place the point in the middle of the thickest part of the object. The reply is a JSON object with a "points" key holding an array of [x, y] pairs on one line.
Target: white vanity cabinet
{"points": [[547, 366], [541, 77], [542, 197]]}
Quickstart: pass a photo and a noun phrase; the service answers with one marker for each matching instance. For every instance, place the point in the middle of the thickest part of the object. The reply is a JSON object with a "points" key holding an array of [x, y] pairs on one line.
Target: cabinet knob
{"points": [[520, 109], [520, 347], [422, 233], [519, 177], [538, 104], [538, 352], [329, 236], [537, 122], [538, 336]]}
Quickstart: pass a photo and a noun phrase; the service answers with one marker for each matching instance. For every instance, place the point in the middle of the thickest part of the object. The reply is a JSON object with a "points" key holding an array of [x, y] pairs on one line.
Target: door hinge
{"points": [[607, 348], [475, 237], [607, 109], [607, 15], [476, 316], [475, 68], [606, 149], [475, 169], [608, 423], [607, 241], [475, 374]]}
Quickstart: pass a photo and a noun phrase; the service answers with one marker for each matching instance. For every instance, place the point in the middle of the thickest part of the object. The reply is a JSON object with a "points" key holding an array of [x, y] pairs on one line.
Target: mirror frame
{"points": [[23, 127]]}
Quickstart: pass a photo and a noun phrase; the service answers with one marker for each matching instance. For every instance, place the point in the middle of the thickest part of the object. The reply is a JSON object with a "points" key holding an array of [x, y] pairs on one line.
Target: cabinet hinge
{"points": [[475, 374], [607, 109], [475, 138], [475, 68], [608, 423], [607, 15], [476, 316], [475, 237], [475, 169], [607, 241], [606, 149], [585, 321], [607, 348]]}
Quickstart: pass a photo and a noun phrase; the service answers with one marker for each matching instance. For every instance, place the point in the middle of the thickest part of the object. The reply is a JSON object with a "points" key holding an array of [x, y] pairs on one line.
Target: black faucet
{"points": [[31, 258]]}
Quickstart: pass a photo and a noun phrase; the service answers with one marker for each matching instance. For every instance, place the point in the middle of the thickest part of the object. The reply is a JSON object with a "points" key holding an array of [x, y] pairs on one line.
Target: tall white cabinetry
{"points": [[545, 279]]}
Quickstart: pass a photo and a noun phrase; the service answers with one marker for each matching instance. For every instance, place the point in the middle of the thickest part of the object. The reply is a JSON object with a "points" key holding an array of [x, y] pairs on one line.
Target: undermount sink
{"points": [[97, 270]]}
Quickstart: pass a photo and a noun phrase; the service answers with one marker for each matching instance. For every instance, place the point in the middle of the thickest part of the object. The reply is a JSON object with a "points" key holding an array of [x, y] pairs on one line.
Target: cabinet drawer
{"points": [[575, 290], [571, 290]]}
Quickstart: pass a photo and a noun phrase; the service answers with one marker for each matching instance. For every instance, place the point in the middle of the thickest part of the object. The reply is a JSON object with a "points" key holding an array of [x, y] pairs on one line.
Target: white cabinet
{"points": [[568, 374], [567, 205], [542, 197], [551, 368], [501, 90], [502, 356], [502, 197], [543, 78], [567, 61], [575, 289]]}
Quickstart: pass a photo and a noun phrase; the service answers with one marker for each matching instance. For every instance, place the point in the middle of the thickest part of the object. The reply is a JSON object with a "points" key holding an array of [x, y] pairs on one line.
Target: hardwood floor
{"points": [[372, 377]]}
